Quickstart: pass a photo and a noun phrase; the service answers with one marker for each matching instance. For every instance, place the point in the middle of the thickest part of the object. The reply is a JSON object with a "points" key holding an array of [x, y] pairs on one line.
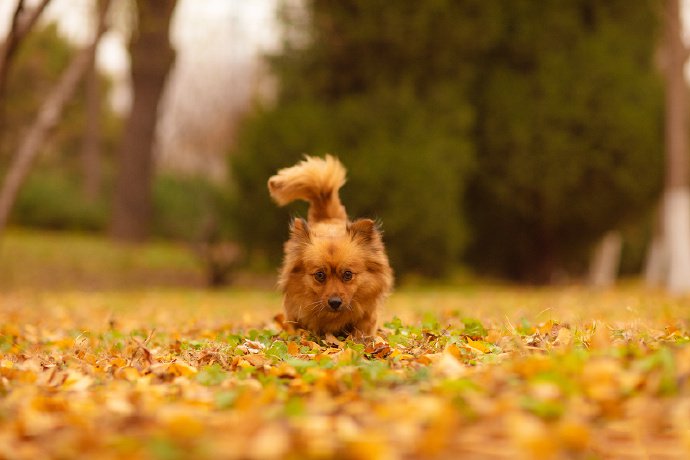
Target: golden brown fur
{"points": [[335, 273]]}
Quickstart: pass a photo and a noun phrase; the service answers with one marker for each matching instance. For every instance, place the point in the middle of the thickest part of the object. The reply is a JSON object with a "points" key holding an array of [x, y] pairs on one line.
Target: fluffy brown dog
{"points": [[335, 273]]}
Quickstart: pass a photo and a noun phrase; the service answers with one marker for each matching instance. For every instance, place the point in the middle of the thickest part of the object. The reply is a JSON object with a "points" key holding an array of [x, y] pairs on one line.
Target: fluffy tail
{"points": [[316, 180]]}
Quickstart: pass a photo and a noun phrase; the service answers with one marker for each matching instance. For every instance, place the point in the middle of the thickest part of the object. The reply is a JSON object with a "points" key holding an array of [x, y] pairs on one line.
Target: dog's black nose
{"points": [[335, 302]]}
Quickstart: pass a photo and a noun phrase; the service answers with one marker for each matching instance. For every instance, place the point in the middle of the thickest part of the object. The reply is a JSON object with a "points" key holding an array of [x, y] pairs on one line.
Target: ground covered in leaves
{"points": [[453, 373]]}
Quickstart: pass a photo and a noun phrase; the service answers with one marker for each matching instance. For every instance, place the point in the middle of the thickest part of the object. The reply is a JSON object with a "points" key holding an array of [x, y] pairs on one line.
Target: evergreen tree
{"points": [[383, 85], [569, 132], [551, 112]]}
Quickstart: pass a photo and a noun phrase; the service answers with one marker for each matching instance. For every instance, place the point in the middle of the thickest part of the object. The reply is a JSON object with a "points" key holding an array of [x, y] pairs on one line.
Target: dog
{"points": [[335, 274]]}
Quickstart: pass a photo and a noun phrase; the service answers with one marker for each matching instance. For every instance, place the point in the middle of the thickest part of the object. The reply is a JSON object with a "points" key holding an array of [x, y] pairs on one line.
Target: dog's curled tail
{"points": [[316, 180]]}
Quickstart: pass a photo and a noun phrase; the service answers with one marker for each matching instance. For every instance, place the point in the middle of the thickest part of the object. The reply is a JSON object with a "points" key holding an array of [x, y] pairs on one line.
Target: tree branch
{"points": [[22, 23], [28, 20], [9, 45], [46, 120]]}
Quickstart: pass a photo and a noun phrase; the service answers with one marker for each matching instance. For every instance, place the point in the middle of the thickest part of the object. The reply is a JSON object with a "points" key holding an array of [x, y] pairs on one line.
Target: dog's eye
{"points": [[320, 276], [347, 275]]}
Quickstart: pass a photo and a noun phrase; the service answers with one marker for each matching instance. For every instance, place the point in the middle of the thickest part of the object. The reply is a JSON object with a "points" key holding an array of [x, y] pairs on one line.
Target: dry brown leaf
{"points": [[257, 360], [252, 346], [332, 340], [564, 337]]}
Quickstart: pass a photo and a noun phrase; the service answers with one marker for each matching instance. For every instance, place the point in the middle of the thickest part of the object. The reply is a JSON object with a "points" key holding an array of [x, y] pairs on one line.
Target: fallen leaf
{"points": [[127, 373], [332, 340], [564, 337], [293, 348], [448, 365], [478, 345], [251, 346], [182, 369]]}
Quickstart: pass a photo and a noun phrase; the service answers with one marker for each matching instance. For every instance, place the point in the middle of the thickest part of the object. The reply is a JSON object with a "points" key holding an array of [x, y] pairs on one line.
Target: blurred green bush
{"points": [[192, 209], [514, 133], [395, 110], [187, 209], [400, 171], [52, 199], [569, 135]]}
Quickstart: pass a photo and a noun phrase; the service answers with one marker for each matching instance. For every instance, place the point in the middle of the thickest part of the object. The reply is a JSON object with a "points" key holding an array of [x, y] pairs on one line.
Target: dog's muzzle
{"points": [[335, 302]]}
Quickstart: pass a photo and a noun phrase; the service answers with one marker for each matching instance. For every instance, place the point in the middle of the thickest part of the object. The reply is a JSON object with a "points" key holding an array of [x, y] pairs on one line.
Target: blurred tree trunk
{"points": [[22, 23], [676, 199], [604, 266], [656, 263], [46, 120], [92, 175], [151, 57], [91, 142]]}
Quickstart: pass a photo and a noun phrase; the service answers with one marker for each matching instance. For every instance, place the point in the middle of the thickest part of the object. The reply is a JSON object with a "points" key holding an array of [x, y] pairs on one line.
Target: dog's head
{"points": [[334, 269]]}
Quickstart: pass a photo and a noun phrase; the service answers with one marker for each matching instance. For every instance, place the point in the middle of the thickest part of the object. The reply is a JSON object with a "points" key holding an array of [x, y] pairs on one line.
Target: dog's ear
{"points": [[364, 230], [299, 230]]}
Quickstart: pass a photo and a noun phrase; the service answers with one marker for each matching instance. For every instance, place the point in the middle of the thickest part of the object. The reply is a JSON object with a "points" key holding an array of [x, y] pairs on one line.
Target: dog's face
{"points": [[334, 273]]}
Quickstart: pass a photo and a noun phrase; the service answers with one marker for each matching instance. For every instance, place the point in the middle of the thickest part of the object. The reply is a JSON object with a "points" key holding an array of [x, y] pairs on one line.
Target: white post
{"points": [[677, 229]]}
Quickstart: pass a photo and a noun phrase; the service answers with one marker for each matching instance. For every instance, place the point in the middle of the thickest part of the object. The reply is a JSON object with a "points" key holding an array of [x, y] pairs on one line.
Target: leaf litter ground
{"points": [[475, 373]]}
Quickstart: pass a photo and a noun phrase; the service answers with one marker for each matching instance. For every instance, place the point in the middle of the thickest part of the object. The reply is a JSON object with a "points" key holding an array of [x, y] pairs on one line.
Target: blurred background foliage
{"points": [[504, 136], [53, 196], [569, 133], [510, 135]]}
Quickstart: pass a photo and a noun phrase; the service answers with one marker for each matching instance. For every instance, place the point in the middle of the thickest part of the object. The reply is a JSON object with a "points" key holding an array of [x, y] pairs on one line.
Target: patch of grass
{"points": [[32, 259]]}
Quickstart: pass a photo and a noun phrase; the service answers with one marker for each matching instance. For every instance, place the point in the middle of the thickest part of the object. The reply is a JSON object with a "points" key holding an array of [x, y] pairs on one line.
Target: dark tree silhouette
{"points": [[151, 57]]}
